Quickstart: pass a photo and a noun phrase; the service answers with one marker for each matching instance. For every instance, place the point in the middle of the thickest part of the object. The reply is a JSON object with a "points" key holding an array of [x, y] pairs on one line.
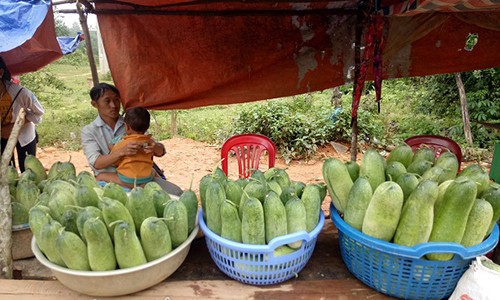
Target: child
{"points": [[138, 168]]}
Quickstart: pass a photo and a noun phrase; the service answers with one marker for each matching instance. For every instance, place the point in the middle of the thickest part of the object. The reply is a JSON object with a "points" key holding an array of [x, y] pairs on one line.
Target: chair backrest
{"points": [[438, 143], [248, 149]]}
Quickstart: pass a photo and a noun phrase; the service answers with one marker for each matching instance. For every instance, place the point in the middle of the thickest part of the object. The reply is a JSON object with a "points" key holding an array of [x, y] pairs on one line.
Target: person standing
{"points": [[13, 97], [108, 125]]}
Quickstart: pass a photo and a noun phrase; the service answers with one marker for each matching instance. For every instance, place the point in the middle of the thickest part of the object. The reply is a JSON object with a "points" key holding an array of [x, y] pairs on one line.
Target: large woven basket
{"points": [[401, 271]]}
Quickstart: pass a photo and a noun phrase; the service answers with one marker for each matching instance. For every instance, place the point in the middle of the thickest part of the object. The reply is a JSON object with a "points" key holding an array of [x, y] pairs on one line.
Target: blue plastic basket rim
{"points": [[273, 244], [419, 250]]}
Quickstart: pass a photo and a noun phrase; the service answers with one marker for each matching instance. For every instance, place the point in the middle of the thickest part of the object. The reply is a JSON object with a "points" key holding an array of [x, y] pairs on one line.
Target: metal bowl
{"points": [[121, 281]]}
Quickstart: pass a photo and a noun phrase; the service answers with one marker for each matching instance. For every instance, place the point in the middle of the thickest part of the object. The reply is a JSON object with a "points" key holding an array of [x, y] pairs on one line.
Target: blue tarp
{"points": [[69, 44], [19, 19]]}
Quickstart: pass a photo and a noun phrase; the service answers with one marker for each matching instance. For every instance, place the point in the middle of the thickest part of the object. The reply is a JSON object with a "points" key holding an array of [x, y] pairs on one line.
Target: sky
{"points": [[69, 19]]}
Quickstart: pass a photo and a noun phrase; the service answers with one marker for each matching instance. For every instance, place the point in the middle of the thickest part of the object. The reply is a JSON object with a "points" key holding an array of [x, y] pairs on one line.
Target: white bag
{"points": [[478, 283]]}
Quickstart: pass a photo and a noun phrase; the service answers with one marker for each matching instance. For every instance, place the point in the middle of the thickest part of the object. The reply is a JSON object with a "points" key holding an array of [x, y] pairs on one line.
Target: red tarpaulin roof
{"points": [[181, 54], [39, 46]]}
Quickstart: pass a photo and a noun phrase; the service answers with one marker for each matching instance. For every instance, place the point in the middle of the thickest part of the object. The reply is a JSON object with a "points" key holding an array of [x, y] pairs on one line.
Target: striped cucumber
{"points": [[338, 182]]}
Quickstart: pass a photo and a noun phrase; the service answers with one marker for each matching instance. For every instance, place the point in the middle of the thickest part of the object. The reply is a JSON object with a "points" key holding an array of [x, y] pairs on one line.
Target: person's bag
{"points": [[7, 127], [479, 282]]}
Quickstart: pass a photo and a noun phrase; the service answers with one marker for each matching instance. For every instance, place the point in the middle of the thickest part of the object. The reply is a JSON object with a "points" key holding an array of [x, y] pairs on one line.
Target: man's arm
{"points": [[95, 155]]}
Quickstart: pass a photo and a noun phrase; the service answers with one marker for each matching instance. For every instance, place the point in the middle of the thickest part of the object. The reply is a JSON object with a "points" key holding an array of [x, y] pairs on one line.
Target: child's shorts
{"points": [[139, 180]]}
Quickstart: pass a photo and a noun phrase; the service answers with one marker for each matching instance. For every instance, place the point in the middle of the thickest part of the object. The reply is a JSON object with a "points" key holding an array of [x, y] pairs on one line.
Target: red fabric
{"points": [[185, 61], [371, 53], [36, 52]]}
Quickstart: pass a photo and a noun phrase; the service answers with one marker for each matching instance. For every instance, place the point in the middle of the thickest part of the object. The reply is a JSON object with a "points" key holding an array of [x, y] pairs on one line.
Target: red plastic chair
{"points": [[438, 143], [248, 149]]}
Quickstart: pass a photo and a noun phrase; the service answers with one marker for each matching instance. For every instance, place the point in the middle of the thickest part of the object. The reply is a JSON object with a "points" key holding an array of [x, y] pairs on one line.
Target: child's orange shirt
{"points": [[135, 166]]}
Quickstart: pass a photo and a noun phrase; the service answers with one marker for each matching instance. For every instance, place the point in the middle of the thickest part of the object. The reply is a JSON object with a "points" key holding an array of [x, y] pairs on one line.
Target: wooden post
{"points": [[465, 111], [88, 43], [173, 123], [5, 206]]}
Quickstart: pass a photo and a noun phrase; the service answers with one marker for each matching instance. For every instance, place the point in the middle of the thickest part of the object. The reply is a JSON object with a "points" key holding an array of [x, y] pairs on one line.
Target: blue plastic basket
{"points": [[402, 271], [256, 264]]}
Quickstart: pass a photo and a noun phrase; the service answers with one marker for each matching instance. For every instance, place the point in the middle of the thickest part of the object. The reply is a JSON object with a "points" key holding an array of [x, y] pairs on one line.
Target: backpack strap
{"points": [[10, 107]]}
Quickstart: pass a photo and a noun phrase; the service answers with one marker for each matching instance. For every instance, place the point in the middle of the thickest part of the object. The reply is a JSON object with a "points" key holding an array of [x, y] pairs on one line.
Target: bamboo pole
{"points": [[59, 2], [465, 112], [5, 206], [88, 43], [173, 123]]}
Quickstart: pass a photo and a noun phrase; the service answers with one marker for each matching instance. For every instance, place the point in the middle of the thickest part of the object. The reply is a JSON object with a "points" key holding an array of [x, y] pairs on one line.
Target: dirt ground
{"points": [[188, 160]]}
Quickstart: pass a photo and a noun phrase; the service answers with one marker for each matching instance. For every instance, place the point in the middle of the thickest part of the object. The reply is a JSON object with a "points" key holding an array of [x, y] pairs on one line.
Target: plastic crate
{"points": [[256, 264], [402, 271]]}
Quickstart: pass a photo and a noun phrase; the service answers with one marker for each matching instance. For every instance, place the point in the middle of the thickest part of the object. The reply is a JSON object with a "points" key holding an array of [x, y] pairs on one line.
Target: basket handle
{"points": [[297, 236], [455, 248]]}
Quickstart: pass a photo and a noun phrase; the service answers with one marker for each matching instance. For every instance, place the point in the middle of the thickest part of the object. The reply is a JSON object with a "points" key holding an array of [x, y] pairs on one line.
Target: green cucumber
{"points": [[233, 191], [478, 223], [86, 196], [47, 242], [140, 207], [72, 251], [394, 169], [492, 195], [128, 248], [402, 153], [230, 222], [477, 174], [357, 202], [311, 198], [450, 217], [252, 222], [188, 197], [114, 191], [274, 216], [160, 199], [295, 219], [417, 216], [20, 214], [85, 214], [100, 249], [353, 169], [449, 162], [383, 212], [424, 153], [114, 210], [176, 217], [338, 181], [38, 217], [155, 238], [215, 195], [419, 166], [298, 186], [408, 182], [373, 168]]}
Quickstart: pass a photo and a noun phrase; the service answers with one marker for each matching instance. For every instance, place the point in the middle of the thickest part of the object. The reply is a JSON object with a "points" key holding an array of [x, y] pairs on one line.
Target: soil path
{"points": [[188, 160]]}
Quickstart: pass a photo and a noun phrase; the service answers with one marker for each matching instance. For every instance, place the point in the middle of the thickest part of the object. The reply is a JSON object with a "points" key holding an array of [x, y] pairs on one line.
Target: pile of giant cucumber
{"points": [[412, 197], [259, 208], [82, 225]]}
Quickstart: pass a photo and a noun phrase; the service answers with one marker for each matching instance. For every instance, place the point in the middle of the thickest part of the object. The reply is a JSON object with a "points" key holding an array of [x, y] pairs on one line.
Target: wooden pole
{"points": [[5, 205], [59, 2], [88, 43], [465, 111], [173, 123]]}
